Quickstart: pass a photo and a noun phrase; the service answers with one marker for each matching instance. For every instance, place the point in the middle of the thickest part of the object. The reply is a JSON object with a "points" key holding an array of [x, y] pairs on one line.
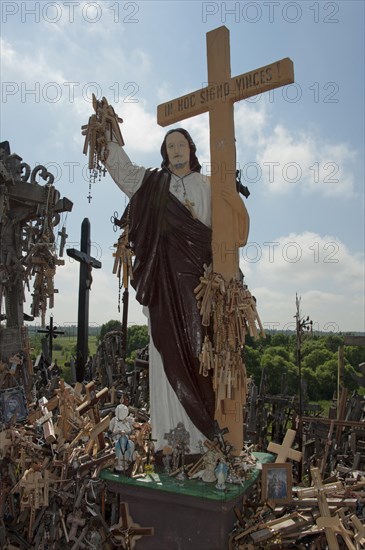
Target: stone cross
{"points": [[218, 98], [284, 451], [87, 262]]}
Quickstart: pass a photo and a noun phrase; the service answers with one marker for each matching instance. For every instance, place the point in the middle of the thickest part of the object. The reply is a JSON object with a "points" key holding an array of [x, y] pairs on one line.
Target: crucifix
{"points": [[126, 532], [51, 332], [218, 98], [87, 262]]}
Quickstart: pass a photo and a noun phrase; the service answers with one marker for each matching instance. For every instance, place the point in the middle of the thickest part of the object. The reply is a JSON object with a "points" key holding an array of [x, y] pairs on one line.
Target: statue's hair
{"points": [[194, 163]]}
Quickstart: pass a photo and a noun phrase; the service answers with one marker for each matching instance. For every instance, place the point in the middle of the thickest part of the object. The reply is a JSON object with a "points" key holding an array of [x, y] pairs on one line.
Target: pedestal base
{"points": [[186, 515]]}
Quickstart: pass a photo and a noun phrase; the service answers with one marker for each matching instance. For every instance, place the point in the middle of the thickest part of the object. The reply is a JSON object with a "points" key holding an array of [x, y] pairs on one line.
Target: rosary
{"points": [[189, 205]]}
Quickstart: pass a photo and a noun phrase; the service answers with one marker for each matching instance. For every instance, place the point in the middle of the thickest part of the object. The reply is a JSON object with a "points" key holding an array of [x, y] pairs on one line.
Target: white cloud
{"points": [[289, 161], [321, 269]]}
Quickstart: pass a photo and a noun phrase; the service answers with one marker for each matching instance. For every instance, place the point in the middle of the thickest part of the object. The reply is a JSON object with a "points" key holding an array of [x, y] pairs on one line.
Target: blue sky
{"points": [[300, 148]]}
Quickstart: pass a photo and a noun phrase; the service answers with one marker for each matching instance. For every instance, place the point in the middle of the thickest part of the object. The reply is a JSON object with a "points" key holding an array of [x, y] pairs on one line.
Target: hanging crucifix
{"points": [[218, 98]]}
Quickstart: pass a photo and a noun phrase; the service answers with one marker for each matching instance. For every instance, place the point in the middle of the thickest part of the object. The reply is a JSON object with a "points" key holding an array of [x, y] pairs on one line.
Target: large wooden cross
{"points": [[218, 98]]}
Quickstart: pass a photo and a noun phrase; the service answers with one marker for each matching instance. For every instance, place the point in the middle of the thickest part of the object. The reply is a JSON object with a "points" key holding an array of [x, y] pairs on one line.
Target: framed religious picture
{"points": [[276, 484], [13, 405]]}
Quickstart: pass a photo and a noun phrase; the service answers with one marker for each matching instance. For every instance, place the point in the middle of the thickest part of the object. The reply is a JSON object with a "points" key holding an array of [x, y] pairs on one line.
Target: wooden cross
{"points": [[218, 98], [75, 520], [360, 528], [284, 451], [334, 525], [324, 509], [46, 421], [90, 405], [126, 531], [229, 229]]}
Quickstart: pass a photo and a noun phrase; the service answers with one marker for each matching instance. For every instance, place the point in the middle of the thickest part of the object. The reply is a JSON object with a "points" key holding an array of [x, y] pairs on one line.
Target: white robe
{"points": [[165, 408]]}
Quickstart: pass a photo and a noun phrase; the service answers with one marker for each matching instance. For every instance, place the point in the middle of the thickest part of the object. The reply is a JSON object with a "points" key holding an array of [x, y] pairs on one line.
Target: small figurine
{"points": [[167, 452], [124, 452], [121, 423], [221, 472]]}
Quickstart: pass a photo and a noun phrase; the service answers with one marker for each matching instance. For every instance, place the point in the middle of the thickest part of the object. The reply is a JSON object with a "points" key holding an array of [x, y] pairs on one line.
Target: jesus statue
{"points": [[169, 218]]}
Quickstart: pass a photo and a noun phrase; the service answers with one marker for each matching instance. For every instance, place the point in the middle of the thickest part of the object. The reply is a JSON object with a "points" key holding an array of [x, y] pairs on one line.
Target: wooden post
{"points": [[340, 377]]}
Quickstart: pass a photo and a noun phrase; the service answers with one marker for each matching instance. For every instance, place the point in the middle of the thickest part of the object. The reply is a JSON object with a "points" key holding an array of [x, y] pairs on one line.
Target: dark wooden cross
{"points": [[51, 333], [149, 444], [87, 262], [126, 531]]}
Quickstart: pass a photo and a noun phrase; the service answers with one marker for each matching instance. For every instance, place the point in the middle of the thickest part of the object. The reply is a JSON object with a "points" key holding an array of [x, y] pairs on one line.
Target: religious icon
{"points": [[276, 482], [13, 407]]}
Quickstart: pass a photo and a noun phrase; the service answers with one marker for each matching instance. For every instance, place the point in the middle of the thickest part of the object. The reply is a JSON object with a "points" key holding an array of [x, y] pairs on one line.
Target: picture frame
{"points": [[13, 405], [276, 482]]}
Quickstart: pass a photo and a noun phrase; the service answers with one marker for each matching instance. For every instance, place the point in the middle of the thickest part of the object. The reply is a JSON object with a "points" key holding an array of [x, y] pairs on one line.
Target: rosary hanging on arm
{"points": [[103, 126]]}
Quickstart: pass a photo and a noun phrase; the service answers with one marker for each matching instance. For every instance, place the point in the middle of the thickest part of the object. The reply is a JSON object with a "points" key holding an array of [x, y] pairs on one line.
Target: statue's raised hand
{"points": [[103, 126]]}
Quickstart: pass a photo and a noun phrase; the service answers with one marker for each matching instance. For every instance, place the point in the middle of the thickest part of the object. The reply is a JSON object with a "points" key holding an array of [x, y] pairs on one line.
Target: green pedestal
{"points": [[186, 515]]}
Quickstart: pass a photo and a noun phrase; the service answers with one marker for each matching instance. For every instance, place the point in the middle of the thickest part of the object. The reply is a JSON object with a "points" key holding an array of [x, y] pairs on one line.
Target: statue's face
{"points": [[178, 151]]}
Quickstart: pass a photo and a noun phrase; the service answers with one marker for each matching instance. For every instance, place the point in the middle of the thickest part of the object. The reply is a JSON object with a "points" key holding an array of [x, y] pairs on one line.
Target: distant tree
{"points": [[252, 358], [137, 338], [108, 327], [333, 341], [316, 357], [326, 375], [280, 339], [355, 355], [280, 371], [281, 351]]}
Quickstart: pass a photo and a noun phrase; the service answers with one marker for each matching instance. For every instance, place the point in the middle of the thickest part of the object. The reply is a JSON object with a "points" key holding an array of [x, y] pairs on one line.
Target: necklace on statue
{"points": [[176, 186]]}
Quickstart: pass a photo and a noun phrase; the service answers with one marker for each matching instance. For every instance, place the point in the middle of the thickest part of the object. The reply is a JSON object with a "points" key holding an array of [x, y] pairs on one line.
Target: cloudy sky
{"points": [[300, 148]]}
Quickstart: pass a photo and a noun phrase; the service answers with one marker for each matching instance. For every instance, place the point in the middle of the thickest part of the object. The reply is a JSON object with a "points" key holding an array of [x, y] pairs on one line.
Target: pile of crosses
{"points": [[50, 492], [329, 514], [326, 507]]}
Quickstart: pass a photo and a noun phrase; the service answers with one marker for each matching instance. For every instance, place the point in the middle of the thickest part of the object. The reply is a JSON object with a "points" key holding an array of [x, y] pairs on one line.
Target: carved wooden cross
{"points": [[90, 405], [218, 99], [126, 531], [284, 451], [324, 509]]}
